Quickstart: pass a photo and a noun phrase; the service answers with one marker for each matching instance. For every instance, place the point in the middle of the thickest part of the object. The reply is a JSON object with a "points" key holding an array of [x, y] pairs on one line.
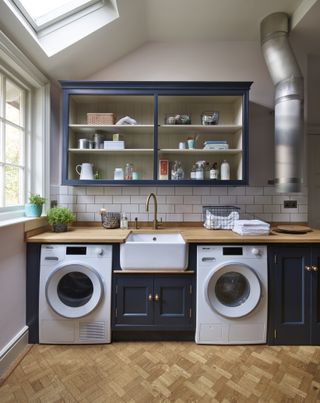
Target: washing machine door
{"points": [[74, 290], [233, 290]]}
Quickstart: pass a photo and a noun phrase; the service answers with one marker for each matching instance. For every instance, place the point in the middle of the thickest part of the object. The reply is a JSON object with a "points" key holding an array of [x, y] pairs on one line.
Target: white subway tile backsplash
{"points": [[188, 191], [103, 199], [254, 191], [113, 191], [228, 200], [219, 191], [236, 191], [174, 217], [85, 199], [167, 191], [280, 217], [201, 191], [130, 191], [180, 203], [192, 217], [94, 208], [262, 199], [85, 216], [210, 200], [245, 199], [183, 208], [299, 217], [121, 199], [174, 199], [191, 199], [95, 190]]}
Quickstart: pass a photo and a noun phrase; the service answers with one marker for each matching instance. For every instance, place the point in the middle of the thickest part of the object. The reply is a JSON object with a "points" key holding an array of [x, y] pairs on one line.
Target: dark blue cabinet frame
{"points": [[156, 89]]}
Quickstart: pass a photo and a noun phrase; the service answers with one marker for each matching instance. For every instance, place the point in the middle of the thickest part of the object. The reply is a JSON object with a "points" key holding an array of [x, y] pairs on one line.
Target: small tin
{"points": [[83, 143]]}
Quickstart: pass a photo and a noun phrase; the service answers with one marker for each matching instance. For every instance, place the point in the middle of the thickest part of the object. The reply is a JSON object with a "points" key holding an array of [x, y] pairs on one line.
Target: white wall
{"points": [[12, 282]]}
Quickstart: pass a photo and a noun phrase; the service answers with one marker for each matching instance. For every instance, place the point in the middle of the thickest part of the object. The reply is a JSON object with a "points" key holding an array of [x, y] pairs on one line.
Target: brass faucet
{"points": [[155, 221]]}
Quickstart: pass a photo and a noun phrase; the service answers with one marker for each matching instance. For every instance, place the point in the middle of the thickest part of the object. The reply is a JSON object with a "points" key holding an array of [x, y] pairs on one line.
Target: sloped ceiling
{"points": [[143, 21]]}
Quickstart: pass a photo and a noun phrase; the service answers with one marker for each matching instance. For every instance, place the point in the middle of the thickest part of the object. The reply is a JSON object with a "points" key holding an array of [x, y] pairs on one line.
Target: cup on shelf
{"points": [[182, 145], [191, 144], [135, 176], [83, 144]]}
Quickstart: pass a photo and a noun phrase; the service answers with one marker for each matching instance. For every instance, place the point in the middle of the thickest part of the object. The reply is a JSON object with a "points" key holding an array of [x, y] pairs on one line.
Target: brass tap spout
{"points": [[155, 221]]}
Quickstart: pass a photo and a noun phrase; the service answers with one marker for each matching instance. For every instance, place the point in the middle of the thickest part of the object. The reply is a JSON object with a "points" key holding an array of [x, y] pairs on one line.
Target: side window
{"points": [[13, 140]]}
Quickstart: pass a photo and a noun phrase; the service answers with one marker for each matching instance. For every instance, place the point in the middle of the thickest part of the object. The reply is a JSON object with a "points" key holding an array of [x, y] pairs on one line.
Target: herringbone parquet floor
{"points": [[179, 372]]}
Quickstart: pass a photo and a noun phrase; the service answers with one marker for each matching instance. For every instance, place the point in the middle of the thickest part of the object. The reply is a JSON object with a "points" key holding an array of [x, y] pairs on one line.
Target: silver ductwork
{"points": [[288, 81]]}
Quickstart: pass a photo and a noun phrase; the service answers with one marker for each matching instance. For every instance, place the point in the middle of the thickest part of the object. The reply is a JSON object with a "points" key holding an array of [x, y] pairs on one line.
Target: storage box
{"points": [[113, 145], [100, 118], [163, 169]]}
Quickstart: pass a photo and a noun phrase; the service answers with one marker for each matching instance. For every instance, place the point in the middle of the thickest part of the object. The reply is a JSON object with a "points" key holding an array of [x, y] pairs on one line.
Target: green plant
{"points": [[36, 199], [60, 215]]}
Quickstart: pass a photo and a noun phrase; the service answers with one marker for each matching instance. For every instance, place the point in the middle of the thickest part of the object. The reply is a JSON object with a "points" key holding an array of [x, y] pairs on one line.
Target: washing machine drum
{"points": [[233, 290], [74, 290]]}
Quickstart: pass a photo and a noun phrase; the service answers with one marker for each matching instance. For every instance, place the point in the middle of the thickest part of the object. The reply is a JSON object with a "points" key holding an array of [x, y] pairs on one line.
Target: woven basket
{"points": [[100, 118], [110, 220]]}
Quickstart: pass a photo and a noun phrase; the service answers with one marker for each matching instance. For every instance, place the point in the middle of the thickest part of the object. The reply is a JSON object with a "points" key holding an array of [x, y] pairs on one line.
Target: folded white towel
{"points": [[252, 223]]}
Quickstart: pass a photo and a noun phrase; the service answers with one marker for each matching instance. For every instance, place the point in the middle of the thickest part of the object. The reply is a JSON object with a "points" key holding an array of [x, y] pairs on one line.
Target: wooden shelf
{"points": [[113, 128], [200, 128], [199, 151], [103, 151]]}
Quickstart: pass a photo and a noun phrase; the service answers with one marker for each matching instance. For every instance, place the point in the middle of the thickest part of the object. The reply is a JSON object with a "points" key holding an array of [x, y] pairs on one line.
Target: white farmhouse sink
{"points": [[153, 251]]}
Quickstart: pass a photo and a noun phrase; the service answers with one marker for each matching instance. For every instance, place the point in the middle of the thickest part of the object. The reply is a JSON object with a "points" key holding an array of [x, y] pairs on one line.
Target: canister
{"points": [[83, 143]]}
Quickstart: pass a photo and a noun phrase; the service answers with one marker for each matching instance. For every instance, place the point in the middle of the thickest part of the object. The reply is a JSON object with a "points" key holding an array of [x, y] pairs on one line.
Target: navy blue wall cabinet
{"points": [[155, 106], [294, 295], [153, 302]]}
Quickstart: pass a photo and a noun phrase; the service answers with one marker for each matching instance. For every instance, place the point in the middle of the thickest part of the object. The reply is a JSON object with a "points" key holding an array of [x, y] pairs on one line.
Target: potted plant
{"points": [[34, 207], [59, 218]]}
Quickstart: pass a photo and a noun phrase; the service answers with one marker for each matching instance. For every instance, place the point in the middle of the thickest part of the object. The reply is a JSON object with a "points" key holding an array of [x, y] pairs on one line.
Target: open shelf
{"points": [[199, 151], [103, 151], [201, 128], [112, 128]]}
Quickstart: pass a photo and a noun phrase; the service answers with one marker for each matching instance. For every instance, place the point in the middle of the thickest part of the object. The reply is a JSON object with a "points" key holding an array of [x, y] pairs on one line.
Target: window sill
{"points": [[30, 221]]}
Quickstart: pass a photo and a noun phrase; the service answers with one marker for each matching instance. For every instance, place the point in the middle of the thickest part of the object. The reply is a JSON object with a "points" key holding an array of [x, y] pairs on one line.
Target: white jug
{"points": [[85, 171]]}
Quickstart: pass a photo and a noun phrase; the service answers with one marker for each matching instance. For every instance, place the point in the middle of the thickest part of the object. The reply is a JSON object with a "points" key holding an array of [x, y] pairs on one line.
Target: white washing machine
{"points": [[232, 287], [75, 294]]}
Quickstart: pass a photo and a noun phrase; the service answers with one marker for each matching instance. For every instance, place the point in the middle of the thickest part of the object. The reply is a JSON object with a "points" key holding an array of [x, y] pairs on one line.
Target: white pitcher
{"points": [[85, 170]]}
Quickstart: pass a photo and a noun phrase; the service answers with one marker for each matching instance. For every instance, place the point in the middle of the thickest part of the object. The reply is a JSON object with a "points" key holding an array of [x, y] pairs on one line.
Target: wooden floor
{"points": [[165, 372]]}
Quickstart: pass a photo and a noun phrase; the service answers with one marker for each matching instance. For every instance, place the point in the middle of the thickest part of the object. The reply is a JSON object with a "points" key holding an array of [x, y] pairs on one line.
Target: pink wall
{"points": [[12, 282]]}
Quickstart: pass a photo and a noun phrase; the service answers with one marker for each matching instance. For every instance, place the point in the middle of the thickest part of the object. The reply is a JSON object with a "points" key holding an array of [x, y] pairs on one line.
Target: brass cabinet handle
{"points": [[315, 268], [150, 297], [156, 297], [308, 268]]}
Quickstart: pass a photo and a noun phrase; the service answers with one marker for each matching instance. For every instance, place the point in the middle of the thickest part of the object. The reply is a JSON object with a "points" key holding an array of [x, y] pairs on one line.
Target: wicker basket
{"points": [[110, 220], [100, 118]]}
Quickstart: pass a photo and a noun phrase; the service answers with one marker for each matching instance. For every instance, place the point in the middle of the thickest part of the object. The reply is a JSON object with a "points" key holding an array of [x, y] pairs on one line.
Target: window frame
{"points": [[26, 128], [23, 73], [54, 17]]}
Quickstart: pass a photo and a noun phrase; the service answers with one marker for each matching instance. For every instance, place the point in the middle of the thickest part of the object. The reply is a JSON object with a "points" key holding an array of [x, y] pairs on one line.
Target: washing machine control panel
{"points": [[210, 253], [52, 254]]}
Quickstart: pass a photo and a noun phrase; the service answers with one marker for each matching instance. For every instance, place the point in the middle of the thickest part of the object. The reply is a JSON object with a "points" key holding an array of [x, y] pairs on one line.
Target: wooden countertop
{"points": [[190, 234]]}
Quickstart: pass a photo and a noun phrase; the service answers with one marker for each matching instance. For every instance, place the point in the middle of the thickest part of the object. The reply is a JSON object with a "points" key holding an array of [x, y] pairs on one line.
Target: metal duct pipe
{"points": [[288, 81]]}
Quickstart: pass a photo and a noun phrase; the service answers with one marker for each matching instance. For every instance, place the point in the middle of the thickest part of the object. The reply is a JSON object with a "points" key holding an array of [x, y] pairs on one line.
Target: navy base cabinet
{"points": [[153, 302], [294, 295]]}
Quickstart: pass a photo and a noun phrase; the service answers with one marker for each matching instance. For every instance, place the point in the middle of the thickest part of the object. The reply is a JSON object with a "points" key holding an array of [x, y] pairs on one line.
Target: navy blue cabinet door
{"points": [[161, 302], [289, 295], [173, 301], [133, 299]]}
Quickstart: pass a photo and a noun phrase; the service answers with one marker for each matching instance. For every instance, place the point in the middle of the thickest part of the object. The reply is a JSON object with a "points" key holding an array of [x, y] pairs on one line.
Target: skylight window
{"points": [[57, 24], [41, 14]]}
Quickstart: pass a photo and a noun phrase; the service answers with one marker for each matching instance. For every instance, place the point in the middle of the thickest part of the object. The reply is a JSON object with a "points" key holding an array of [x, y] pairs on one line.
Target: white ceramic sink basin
{"points": [[153, 251]]}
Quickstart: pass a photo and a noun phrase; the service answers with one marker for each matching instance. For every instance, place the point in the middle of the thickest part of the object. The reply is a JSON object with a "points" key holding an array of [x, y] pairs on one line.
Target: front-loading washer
{"points": [[75, 294], [232, 286]]}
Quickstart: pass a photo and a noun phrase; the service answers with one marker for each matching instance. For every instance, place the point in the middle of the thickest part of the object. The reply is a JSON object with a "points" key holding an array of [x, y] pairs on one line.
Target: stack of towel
{"points": [[251, 227]]}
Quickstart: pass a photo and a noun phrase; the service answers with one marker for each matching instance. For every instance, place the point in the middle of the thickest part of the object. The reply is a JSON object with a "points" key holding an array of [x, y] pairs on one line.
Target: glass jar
{"points": [[199, 172], [214, 172], [118, 174], [128, 172], [206, 171], [177, 172], [124, 221]]}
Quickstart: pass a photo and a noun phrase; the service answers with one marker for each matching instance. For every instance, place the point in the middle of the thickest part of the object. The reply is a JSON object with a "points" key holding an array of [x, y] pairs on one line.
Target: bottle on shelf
{"points": [[214, 172], [225, 171], [199, 171], [128, 171], [206, 171], [193, 172], [124, 221]]}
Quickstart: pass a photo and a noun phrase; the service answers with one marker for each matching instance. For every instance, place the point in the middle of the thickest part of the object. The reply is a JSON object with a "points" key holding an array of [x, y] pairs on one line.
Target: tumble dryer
{"points": [[75, 294], [232, 286]]}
